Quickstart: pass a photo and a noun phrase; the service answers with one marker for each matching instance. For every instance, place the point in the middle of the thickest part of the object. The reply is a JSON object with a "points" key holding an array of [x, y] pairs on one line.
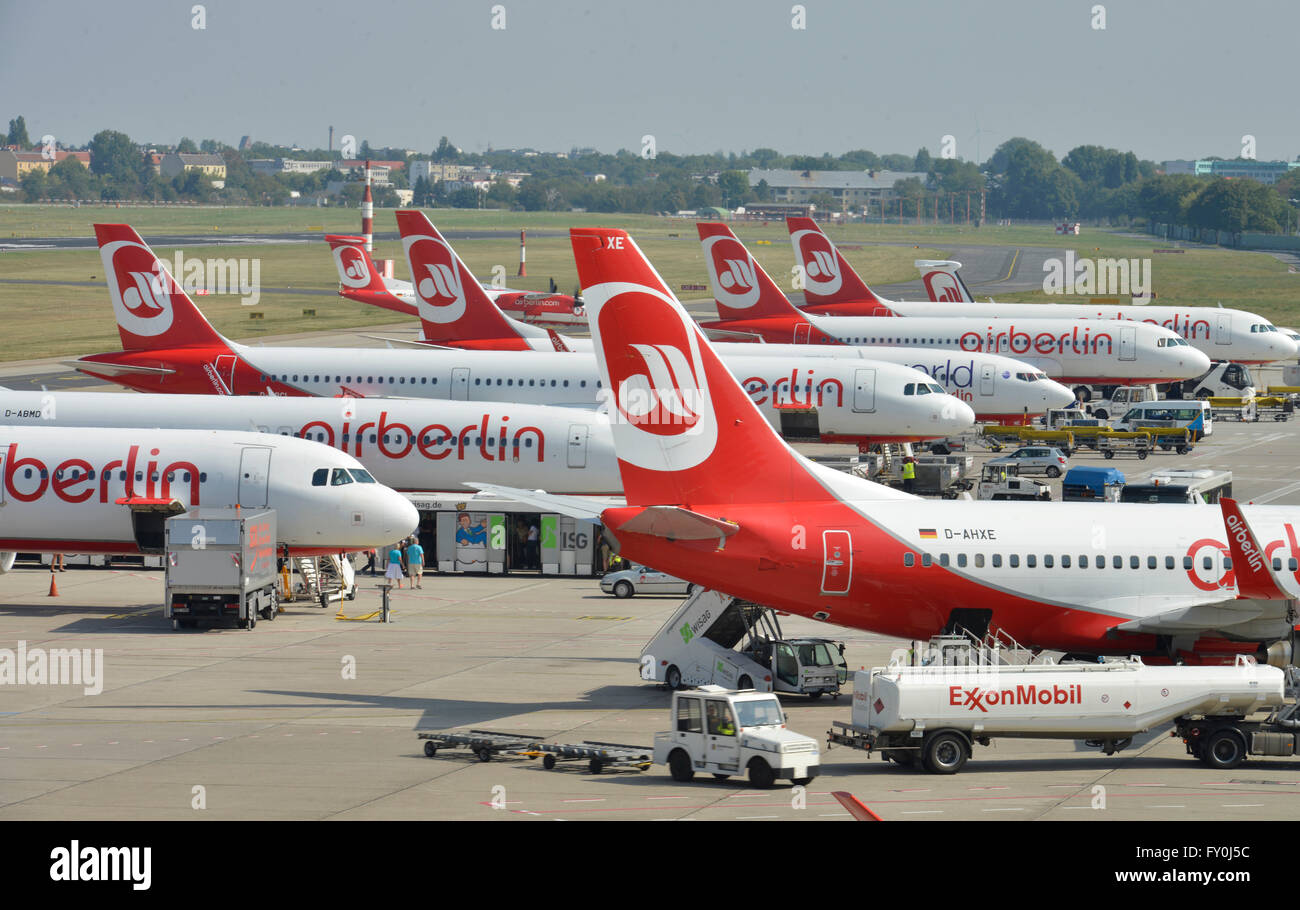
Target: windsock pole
{"points": [[523, 270], [368, 214]]}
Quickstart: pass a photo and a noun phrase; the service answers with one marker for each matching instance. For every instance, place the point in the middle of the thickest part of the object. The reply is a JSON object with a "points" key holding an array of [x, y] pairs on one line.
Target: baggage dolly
{"points": [[483, 743], [599, 755]]}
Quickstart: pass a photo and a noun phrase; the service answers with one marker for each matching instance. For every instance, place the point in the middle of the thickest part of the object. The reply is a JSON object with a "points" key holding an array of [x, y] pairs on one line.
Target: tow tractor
{"points": [[1002, 482], [932, 714], [716, 638], [726, 733]]}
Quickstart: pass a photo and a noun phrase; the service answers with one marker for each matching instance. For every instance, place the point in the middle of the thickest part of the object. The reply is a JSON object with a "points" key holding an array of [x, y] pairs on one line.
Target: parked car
{"points": [[643, 580], [1035, 459]]}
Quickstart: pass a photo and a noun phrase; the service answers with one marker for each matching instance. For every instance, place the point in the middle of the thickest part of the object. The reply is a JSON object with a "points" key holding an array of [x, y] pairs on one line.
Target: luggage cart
{"points": [[599, 756], [483, 743], [1138, 444]]}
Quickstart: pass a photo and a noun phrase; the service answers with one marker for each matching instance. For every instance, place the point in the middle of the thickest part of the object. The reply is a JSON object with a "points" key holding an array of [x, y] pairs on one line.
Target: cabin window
{"points": [[926, 560], [909, 559], [979, 560], [997, 560]]}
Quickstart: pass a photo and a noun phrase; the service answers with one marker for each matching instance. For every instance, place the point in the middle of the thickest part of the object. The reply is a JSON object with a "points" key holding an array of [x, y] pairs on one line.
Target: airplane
{"points": [[832, 287], [108, 490], [1218, 332], [360, 280], [169, 347], [1081, 351], [1171, 582], [1000, 389]]}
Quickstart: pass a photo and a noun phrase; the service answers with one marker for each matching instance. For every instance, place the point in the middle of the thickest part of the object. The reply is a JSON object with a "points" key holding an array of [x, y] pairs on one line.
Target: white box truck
{"points": [[221, 565], [726, 733], [933, 715]]}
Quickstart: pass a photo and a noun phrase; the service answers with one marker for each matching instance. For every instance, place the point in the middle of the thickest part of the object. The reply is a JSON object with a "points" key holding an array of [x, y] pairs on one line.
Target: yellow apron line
{"points": [[1012, 268]]}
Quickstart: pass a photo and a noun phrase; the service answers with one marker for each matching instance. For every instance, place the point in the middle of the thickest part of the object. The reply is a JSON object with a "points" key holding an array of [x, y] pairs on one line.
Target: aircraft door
{"points": [[864, 390], [722, 734], [1223, 328], [801, 332], [837, 562], [577, 445], [460, 384], [987, 374], [254, 477], [1128, 343], [689, 732]]}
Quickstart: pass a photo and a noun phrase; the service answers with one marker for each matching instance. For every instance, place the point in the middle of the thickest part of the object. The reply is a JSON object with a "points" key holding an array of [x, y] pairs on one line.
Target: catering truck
{"points": [[220, 565], [727, 733], [934, 715]]}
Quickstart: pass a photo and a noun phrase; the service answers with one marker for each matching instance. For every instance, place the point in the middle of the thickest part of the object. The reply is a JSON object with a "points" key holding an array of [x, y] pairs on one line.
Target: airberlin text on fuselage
{"points": [[1010, 341], [435, 441], [76, 480]]}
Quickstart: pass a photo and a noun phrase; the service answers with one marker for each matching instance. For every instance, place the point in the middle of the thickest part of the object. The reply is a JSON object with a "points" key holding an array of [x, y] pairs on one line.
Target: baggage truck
{"points": [[934, 715], [220, 565]]}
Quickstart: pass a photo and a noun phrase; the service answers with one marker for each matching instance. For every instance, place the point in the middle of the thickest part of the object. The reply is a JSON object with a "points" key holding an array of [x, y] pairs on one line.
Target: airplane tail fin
{"points": [[741, 289], [359, 278], [943, 283], [684, 430], [827, 277], [152, 310], [453, 306]]}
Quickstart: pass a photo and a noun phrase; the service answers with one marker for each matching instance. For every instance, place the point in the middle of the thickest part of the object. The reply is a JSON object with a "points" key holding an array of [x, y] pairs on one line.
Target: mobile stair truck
{"points": [[725, 733], [933, 715], [698, 646], [221, 564]]}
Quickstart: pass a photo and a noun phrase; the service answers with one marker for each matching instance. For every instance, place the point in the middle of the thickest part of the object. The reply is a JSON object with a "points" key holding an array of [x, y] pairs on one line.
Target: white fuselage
{"points": [[1220, 334], [60, 487], [1078, 350], [406, 444], [853, 399]]}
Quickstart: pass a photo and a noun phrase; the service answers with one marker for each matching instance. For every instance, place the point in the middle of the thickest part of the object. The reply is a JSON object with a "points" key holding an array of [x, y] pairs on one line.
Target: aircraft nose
{"points": [[1056, 395], [389, 516], [1196, 361], [953, 415]]}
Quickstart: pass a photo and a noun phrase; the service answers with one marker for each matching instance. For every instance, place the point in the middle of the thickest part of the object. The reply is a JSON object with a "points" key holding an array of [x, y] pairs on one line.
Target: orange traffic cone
{"points": [[54, 585]]}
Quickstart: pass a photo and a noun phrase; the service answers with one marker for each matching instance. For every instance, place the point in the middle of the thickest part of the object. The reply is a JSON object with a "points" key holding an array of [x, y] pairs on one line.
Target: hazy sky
{"points": [[1164, 79]]}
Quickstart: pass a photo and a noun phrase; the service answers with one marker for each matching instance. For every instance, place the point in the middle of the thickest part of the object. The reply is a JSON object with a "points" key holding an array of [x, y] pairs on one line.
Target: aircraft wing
{"points": [[408, 343], [1206, 617], [583, 508]]}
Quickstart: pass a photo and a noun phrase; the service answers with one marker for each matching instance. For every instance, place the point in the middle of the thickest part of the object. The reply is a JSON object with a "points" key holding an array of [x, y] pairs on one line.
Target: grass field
{"points": [[67, 321]]}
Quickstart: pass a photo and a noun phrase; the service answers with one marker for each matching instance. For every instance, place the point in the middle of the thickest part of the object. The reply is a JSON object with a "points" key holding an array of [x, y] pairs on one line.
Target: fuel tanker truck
{"points": [[933, 715]]}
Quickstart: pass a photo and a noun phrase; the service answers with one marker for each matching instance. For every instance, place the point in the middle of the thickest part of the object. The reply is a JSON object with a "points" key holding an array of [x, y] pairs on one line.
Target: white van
{"points": [[1172, 412]]}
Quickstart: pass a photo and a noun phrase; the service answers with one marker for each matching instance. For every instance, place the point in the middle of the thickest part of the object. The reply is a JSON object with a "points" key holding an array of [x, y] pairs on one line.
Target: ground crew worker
{"points": [[909, 474]]}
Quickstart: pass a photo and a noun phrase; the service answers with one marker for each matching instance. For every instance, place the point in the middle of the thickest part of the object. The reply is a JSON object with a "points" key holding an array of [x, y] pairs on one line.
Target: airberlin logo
{"points": [[141, 288], [1237, 528], [353, 271], [664, 398], [440, 291], [1211, 572], [942, 287], [732, 273], [820, 263]]}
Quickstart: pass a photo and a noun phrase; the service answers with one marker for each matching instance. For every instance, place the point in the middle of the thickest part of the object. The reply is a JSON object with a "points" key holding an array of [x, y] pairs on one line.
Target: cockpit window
{"points": [[320, 477], [339, 477], [936, 388], [922, 389], [909, 389], [361, 476]]}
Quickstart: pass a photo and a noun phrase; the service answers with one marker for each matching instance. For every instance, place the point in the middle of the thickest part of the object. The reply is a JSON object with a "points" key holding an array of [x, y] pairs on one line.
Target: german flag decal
{"points": [[928, 534]]}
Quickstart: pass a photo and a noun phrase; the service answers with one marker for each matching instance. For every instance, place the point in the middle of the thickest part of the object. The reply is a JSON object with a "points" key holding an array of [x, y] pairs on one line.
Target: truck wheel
{"points": [[722, 777], [430, 749], [801, 781], [1083, 393], [945, 753], [673, 678], [1142, 455], [744, 683], [548, 762], [595, 766], [679, 766], [813, 696], [761, 774], [623, 590], [1204, 393], [1225, 749], [1109, 454], [1183, 450]]}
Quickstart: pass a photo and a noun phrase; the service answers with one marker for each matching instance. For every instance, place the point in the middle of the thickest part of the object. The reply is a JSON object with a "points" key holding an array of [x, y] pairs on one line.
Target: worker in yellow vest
{"points": [[909, 474]]}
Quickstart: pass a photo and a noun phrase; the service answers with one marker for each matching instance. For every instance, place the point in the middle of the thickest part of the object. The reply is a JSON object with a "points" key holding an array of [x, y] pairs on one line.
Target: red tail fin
{"points": [[684, 430], [153, 312], [827, 277], [741, 289], [942, 281], [453, 306], [1255, 579], [360, 279]]}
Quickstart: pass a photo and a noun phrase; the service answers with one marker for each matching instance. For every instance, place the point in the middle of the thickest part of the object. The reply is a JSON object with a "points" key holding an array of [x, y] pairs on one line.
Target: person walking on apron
{"points": [[394, 572]]}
